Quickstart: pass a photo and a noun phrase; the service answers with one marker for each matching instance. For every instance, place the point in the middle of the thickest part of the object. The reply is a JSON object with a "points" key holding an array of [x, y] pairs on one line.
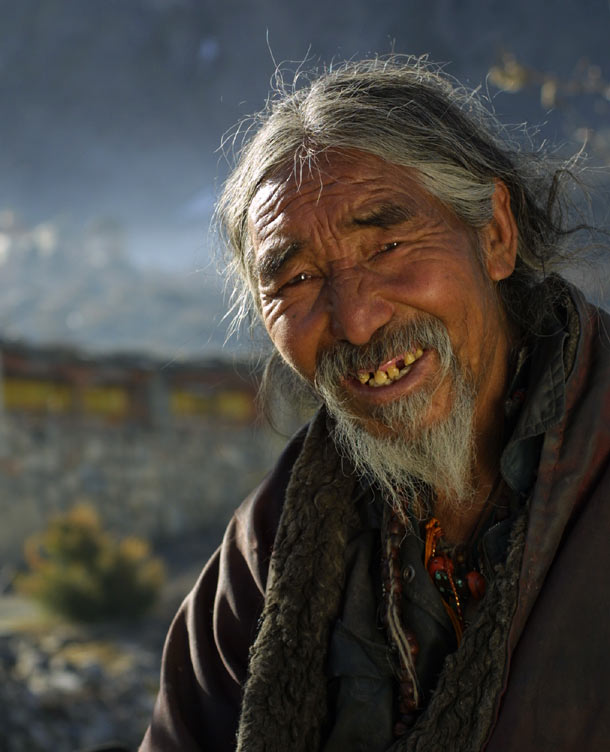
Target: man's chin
{"points": [[392, 421], [390, 430]]}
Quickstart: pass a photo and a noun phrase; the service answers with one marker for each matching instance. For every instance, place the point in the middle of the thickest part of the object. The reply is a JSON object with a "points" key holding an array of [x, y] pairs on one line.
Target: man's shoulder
{"points": [[592, 346], [259, 514]]}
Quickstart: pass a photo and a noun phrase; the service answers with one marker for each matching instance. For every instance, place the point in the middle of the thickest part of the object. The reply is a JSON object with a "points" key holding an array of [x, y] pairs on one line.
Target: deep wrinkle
{"points": [[270, 266], [386, 216]]}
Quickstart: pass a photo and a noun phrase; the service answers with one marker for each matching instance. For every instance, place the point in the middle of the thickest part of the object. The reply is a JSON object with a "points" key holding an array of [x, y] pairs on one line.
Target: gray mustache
{"points": [[344, 358]]}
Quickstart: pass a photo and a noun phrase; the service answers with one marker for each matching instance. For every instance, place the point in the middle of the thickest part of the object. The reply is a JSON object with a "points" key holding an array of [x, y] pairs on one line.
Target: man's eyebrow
{"points": [[271, 263], [384, 216]]}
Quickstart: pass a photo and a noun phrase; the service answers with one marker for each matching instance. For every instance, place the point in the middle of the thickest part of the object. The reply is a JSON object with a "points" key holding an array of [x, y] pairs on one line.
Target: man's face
{"points": [[357, 249]]}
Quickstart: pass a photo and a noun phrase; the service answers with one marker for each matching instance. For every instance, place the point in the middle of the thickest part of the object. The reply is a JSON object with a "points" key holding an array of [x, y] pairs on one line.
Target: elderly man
{"points": [[427, 566]]}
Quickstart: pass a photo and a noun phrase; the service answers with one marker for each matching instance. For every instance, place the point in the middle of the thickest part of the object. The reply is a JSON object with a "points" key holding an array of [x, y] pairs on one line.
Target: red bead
{"points": [[440, 564], [413, 644], [436, 564], [407, 690], [406, 706], [476, 585]]}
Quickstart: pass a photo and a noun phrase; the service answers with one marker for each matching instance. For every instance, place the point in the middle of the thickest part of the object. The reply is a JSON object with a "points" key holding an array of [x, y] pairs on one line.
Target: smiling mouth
{"points": [[390, 371]]}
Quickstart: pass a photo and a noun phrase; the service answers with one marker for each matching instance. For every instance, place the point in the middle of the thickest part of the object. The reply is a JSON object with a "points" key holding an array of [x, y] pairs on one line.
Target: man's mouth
{"points": [[390, 371]]}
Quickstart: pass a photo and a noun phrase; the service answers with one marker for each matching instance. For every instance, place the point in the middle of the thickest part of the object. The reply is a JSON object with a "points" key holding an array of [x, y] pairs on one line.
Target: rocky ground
{"points": [[67, 688], [66, 692]]}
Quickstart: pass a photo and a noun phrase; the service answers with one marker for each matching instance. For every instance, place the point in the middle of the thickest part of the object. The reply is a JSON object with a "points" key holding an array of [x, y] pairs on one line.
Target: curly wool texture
{"points": [[461, 712], [285, 701], [285, 698]]}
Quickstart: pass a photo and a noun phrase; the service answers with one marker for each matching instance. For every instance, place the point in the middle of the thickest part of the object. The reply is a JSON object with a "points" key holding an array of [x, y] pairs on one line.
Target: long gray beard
{"points": [[415, 458]]}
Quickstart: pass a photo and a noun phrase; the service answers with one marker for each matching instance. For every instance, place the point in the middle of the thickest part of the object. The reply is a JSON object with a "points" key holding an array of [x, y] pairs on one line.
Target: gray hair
{"points": [[409, 113]]}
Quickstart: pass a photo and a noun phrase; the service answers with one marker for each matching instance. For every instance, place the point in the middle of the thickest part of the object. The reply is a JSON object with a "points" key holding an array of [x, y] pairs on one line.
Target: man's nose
{"points": [[357, 309]]}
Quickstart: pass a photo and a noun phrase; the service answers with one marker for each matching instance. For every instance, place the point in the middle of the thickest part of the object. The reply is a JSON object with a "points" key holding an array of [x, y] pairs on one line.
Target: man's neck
{"points": [[459, 520]]}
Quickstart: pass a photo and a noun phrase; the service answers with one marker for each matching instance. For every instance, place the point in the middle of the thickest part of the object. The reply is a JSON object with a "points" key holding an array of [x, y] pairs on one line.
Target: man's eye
{"points": [[388, 247], [302, 277]]}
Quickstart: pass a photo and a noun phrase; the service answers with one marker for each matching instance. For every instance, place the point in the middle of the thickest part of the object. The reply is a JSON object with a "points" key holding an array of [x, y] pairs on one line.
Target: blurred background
{"points": [[127, 426]]}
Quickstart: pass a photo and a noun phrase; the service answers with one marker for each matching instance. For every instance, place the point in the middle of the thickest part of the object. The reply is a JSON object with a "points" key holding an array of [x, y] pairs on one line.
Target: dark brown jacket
{"points": [[556, 694]]}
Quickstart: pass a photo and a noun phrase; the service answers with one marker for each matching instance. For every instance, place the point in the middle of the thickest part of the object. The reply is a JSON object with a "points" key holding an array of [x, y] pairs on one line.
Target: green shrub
{"points": [[84, 574]]}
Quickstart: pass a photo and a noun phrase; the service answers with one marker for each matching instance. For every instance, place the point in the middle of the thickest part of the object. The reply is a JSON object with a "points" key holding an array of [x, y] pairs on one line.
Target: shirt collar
{"points": [[543, 407]]}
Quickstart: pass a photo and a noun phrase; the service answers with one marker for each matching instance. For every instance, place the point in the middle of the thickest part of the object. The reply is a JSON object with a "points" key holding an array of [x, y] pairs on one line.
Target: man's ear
{"points": [[500, 236]]}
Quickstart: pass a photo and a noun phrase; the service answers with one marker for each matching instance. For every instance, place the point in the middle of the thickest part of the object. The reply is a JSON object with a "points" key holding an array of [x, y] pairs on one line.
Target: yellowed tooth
{"points": [[409, 358], [405, 370], [393, 372], [419, 352], [363, 377], [381, 377]]}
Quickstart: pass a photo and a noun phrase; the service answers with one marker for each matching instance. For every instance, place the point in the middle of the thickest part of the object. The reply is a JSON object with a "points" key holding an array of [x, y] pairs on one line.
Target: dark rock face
{"points": [[118, 108]]}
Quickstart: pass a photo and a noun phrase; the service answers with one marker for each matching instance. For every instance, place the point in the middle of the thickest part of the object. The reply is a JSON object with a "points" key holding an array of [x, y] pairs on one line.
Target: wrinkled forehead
{"points": [[304, 180], [340, 185], [340, 193]]}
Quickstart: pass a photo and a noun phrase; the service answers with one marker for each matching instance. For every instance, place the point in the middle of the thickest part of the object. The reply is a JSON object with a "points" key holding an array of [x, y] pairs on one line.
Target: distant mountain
{"points": [[82, 290]]}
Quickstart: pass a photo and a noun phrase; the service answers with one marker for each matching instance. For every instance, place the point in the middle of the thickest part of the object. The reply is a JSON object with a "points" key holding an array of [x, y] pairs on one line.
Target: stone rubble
{"points": [[67, 690]]}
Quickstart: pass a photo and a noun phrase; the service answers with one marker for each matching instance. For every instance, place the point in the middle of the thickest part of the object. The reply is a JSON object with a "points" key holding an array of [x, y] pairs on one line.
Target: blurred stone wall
{"points": [[154, 482]]}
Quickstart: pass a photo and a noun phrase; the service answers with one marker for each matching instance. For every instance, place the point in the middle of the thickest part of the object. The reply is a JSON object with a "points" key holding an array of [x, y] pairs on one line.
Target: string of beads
{"points": [[456, 583], [403, 640], [454, 579]]}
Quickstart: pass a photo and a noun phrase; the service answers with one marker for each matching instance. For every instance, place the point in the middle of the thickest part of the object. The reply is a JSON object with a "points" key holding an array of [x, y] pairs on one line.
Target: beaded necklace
{"points": [[457, 582]]}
